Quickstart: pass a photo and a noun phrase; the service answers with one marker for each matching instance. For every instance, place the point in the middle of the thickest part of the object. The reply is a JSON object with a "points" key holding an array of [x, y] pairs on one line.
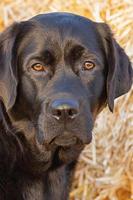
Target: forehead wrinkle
{"points": [[59, 38], [70, 27], [61, 32]]}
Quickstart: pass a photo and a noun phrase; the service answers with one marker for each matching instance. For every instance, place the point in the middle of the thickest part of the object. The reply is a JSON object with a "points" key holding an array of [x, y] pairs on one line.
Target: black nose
{"points": [[64, 108]]}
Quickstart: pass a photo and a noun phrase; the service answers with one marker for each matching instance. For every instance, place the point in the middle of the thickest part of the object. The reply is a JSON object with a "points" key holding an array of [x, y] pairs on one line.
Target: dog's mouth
{"points": [[67, 148], [64, 148], [65, 141]]}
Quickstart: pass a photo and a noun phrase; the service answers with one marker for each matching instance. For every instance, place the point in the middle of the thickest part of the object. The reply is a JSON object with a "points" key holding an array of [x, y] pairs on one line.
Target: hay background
{"points": [[105, 168]]}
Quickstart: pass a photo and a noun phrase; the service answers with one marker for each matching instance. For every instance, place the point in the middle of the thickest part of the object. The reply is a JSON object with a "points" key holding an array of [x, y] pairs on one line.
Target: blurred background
{"points": [[105, 168]]}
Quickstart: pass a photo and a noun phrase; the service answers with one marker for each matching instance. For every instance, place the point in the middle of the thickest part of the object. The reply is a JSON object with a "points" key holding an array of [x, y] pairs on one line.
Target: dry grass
{"points": [[105, 169]]}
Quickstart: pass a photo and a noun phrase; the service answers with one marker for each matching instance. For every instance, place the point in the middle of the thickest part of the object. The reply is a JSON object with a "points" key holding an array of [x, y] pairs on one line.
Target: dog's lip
{"points": [[65, 140]]}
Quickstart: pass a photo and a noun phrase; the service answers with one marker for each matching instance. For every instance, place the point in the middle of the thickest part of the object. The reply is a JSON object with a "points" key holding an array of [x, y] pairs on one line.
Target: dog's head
{"points": [[57, 72]]}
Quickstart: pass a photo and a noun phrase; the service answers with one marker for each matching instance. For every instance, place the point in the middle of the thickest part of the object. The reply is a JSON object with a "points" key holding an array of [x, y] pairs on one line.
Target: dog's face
{"points": [[57, 72]]}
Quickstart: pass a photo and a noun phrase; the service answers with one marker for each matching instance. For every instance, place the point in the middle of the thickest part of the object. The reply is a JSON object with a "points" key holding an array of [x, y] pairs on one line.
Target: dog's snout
{"points": [[64, 108]]}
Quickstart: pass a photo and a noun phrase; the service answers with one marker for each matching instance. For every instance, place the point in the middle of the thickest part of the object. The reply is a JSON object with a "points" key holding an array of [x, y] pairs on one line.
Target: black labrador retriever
{"points": [[57, 72]]}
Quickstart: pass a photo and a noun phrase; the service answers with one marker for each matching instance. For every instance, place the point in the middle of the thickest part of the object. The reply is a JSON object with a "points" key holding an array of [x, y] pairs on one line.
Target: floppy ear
{"points": [[8, 73], [120, 73]]}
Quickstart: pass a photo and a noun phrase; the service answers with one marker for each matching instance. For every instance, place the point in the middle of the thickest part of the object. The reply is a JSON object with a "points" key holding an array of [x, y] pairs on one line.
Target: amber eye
{"points": [[39, 67], [88, 65]]}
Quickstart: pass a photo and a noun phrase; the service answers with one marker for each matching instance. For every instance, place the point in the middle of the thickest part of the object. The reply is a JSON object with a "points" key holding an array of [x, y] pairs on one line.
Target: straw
{"points": [[105, 167]]}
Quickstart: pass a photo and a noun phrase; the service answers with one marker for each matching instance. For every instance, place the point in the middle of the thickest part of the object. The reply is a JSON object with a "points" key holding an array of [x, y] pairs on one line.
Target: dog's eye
{"points": [[39, 67], [88, 65]]}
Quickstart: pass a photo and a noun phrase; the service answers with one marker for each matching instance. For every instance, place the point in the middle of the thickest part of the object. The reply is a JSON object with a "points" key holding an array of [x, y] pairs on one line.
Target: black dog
{"points": [[57, 72]]}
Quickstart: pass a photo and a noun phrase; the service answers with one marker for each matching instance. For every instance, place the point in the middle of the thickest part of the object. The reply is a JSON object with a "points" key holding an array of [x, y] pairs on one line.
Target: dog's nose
{"points": [[64, 108]]}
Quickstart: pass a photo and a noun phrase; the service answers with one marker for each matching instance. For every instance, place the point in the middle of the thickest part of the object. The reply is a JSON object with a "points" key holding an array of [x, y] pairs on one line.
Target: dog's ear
{"points": [[8, 73], [120, 73]]}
